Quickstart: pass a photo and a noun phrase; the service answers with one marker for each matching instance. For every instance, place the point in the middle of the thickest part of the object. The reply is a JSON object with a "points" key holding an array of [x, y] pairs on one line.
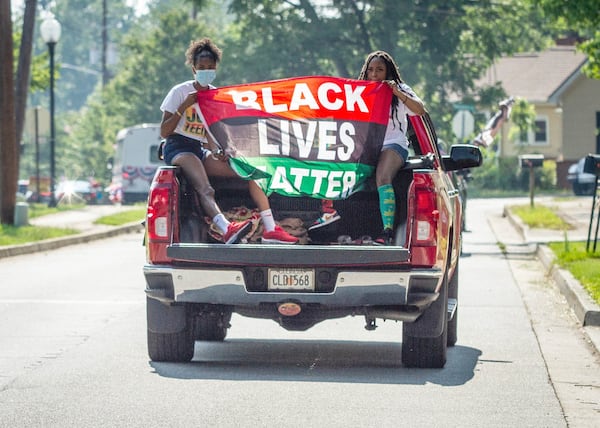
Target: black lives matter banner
{"points": [[315, 136]]}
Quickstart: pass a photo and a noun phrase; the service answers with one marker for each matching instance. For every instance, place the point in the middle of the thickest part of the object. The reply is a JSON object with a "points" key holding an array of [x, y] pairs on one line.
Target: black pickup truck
{"points": [[194, 284]]}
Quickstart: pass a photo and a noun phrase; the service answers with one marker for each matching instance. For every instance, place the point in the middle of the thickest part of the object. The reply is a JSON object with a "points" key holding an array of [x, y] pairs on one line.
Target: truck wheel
{"points": [[422, 351], [453, 323], [169, 332], [171, 347], [212, 326]]}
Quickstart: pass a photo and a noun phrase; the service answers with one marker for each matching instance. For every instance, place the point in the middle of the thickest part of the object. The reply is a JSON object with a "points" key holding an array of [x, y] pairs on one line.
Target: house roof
{"points": [[537, 76]]}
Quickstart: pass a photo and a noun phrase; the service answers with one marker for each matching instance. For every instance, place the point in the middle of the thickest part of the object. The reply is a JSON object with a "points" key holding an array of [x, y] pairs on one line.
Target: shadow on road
{"points": [[317, 361]]}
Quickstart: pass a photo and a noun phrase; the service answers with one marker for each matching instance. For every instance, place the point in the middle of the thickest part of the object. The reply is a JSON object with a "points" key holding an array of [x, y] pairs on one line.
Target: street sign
{"points": [[463, 124], [43, 123]]}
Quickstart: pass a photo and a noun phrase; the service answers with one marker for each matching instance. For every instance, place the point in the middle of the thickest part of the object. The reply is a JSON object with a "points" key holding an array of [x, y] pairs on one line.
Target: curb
{"points": [[52, 244], [586, 310], [516, 222]]}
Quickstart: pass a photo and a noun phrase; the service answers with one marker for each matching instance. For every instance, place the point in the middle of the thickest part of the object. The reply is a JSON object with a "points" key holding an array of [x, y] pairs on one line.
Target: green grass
{"points": [[123, 217], [12, 235], [540, 216], [584, 265]]}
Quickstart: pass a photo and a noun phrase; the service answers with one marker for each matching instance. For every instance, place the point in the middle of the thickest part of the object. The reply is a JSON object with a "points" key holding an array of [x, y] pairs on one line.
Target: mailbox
{"points": [[592, 164], [531, 161]]}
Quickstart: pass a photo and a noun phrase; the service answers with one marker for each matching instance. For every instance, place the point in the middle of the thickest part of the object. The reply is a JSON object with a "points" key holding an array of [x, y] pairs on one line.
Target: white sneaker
{"points": [[325, 219]]}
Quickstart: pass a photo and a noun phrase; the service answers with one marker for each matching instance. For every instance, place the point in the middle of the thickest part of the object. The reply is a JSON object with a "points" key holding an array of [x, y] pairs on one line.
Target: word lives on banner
{"points": [[313, 136]]}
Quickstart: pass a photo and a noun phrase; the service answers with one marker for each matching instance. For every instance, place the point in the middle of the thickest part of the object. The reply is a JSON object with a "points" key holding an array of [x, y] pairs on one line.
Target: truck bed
{"points": [[360, 216]]}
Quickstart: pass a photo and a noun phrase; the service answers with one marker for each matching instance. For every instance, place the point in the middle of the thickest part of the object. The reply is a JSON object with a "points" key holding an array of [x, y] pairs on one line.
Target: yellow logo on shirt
{"points": [[193, 124]]}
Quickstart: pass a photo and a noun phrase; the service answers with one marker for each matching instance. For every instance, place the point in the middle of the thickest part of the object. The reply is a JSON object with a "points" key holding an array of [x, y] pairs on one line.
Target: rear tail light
{"points": [[159, 220], [425, 227], [426, 217]]}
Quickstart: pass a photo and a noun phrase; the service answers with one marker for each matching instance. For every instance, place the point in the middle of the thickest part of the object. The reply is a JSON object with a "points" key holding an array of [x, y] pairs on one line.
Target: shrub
{"points": [[505, 174]]}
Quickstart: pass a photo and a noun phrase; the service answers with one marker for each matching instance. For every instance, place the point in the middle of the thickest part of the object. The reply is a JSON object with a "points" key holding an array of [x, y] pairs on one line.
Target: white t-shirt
{"points": [[395, 132], [190, 124]]}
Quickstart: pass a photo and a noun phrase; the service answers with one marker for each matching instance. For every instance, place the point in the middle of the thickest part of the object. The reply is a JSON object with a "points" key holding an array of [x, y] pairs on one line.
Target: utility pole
{"points": [[104, 43]]}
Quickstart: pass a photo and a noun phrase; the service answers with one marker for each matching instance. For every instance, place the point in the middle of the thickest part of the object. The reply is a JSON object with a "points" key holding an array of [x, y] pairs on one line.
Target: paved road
{"points": [[73, 352]]}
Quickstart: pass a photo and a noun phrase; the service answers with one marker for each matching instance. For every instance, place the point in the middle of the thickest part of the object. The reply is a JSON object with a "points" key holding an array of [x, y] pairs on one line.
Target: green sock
{"points": [[387, 205]]}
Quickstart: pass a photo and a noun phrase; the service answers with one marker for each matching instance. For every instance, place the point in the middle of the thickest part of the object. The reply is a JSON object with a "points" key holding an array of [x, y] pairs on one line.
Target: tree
{"points": [[24, 69], [9, 160], [582, 16], [442, 46], [153, 60], [80, 48]]}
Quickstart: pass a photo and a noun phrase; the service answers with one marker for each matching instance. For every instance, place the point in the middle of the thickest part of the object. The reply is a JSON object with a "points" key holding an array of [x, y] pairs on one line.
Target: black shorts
{"points": [[177, 144]]}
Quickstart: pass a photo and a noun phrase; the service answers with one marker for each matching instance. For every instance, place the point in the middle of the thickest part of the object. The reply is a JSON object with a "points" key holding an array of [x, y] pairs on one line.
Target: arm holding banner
{"points": [[186, 137]]}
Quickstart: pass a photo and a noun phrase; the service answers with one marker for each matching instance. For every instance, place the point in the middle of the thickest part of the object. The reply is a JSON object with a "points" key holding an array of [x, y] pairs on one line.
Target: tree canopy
{"points": [[583, 18], [441, 46]]}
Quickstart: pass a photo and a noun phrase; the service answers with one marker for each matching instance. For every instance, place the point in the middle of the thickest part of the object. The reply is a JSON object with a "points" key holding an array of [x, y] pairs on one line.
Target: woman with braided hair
{"points": [[379, 66]]}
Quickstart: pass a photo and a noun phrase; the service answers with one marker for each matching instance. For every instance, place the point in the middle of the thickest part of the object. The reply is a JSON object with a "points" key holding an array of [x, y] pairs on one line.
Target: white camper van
{"points": [[135, 162]]}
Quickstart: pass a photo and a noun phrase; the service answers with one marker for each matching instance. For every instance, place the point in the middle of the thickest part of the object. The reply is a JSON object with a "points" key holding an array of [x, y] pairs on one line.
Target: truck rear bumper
{"points": [[417, 288]]}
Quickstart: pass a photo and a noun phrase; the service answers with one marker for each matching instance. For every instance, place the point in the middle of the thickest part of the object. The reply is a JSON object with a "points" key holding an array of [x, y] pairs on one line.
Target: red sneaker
{"points": [[236, 231], [278, 236]]}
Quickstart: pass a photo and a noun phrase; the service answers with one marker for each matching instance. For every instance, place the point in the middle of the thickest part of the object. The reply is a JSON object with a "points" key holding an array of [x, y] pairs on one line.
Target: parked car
{"points": [[76, 191], [582, 182]]}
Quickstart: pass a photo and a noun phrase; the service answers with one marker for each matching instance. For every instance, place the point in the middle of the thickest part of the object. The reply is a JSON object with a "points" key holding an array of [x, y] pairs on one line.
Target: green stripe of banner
{"points": [[291, 177]]}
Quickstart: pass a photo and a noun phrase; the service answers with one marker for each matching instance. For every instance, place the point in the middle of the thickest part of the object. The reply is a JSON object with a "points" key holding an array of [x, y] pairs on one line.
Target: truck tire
{"points": [[422, 351], [453, 323], [169, 332], [212, 326], [171, 347]]}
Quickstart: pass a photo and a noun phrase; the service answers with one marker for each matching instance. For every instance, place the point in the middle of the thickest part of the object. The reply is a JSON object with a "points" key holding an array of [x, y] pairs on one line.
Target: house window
{"points": [[540, 134], [537, 136]]}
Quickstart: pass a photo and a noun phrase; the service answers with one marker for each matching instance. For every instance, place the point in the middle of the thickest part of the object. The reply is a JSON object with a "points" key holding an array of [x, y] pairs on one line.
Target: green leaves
{"points": [[441, 47]]}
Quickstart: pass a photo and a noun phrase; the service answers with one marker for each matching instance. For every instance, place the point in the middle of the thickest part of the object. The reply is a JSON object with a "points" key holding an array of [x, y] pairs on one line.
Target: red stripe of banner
{"points": [[301, 98]]}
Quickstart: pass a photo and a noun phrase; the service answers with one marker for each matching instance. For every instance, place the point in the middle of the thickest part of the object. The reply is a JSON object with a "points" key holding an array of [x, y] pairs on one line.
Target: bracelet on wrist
{"points": [[178, 113]]}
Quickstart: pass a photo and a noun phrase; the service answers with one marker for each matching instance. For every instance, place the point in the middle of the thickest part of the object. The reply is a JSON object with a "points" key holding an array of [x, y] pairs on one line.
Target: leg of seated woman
{"points": [[272, 233], [218, 168], [196, 174], [388, 166]]}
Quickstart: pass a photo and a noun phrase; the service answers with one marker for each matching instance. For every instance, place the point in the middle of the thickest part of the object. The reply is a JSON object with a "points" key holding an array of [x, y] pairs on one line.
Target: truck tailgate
{"points": [[289, 255]]}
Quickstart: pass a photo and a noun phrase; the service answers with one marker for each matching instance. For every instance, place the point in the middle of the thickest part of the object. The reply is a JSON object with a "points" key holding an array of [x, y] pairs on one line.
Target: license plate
{"points": [[292, 279]]}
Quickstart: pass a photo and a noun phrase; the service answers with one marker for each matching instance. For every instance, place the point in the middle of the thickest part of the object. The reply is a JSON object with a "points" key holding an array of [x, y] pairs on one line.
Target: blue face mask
{"points": [[205, 77]]}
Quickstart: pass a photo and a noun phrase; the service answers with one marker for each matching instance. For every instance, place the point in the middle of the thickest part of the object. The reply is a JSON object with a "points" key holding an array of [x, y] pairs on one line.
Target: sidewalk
{"points": [[577, 212], [81, 219]]}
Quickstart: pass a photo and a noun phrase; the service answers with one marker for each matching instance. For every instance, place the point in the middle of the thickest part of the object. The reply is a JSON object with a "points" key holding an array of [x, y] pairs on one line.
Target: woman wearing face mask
{"points": [[186, 139]]}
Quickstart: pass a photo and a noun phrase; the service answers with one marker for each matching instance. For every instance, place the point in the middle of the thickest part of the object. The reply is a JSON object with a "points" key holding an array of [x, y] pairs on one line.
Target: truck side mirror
{"points": [[462, 156]]}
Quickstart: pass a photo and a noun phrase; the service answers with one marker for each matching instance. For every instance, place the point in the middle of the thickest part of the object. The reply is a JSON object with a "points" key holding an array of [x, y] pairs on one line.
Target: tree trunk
{"points": [[24, 70], [8, 135]]}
